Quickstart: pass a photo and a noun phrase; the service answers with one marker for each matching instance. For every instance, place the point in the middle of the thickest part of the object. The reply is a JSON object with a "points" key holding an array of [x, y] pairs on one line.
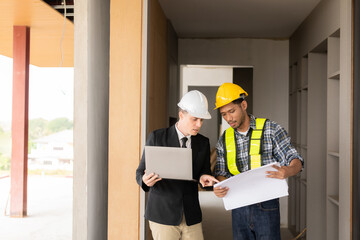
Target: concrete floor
{"points": [[50, 212], [217, 221]]}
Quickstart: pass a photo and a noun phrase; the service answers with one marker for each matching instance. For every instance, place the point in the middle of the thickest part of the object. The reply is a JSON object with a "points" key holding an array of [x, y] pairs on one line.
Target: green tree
{"points": [[38, 128], [59, 124], [4, 162]]}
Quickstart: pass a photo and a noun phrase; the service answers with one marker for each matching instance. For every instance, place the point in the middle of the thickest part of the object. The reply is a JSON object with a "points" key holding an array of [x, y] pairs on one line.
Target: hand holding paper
{"points": [[221, 191], [251, 187], [283, 172]]}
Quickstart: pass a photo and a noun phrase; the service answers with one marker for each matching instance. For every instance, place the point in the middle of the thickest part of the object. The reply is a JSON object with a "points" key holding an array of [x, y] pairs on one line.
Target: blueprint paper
{"points": [[252, 187]]}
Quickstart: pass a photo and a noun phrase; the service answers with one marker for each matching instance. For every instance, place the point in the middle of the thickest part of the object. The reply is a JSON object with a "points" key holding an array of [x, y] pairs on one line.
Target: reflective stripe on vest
{"points": [[230, 142], [255, 144], [254, 151]]}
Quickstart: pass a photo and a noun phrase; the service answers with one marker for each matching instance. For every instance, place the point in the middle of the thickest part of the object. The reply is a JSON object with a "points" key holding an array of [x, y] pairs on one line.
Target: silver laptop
{"points": [[169, 162]]}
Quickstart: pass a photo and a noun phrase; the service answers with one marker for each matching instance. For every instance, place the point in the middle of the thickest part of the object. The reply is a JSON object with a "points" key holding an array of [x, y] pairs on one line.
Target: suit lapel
{"points": [[173, 139], [194, 147]]}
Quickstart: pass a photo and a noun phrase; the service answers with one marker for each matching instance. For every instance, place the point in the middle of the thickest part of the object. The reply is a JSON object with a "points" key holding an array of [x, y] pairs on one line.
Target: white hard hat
{"points": [[196, 104]]}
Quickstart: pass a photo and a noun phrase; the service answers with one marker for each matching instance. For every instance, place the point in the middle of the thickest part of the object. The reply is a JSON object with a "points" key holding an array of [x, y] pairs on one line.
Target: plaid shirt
{"points": [[276, 148]]}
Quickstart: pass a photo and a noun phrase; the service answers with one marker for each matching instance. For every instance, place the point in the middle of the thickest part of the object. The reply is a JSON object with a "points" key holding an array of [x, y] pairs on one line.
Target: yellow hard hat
{"points": [[227, 93]]}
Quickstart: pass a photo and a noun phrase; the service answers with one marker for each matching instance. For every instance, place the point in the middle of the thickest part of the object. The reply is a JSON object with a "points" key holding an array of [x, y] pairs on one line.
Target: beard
{"points": [[241, 120]]}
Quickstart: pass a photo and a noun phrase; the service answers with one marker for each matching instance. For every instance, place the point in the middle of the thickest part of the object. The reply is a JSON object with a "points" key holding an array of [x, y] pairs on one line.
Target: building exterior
{"points": [[53, 152]]}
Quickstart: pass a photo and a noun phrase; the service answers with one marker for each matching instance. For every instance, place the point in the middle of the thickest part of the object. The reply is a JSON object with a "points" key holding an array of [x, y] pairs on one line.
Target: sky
{"points": [[50, 91]]}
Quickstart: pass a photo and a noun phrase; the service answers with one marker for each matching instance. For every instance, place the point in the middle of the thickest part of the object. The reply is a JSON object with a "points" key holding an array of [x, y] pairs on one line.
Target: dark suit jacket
{"points": [[169, 199]]}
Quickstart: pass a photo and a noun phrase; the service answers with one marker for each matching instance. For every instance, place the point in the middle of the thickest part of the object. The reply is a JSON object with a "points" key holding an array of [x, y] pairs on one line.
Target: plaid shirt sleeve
{"points": [[220, 167], [283, 151]]}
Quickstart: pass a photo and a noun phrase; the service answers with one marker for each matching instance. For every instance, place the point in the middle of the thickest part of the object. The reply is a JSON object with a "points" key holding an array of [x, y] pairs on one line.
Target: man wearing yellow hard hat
{"points": [[249, 143], [173, 207]]}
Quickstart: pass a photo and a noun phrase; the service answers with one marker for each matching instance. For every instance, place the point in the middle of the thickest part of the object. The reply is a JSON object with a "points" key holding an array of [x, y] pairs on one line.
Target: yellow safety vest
{"points": [[254, 149]]}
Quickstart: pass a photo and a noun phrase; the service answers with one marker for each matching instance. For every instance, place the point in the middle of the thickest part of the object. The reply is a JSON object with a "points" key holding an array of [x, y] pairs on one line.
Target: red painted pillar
{"points": [[20, 106]]}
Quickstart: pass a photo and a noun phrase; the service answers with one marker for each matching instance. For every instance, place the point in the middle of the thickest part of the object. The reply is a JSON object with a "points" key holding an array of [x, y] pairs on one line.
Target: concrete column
{"points": [[355, 207], [20, 106], [91, 116]]}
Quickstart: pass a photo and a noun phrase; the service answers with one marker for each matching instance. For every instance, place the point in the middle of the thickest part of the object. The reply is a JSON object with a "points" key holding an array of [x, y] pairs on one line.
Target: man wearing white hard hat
{"points": [[173, 208]]}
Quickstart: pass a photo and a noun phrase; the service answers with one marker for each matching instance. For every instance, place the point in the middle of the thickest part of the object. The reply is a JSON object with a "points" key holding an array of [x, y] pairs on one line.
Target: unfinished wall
{"points": [[269, 58], [91, 116], [124, 118], [173, 71], [322, 22], [157, 82]]}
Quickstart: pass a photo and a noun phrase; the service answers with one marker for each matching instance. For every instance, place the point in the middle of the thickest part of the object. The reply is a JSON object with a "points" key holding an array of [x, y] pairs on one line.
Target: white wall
{"points": [[269, 59], [198, 75]]}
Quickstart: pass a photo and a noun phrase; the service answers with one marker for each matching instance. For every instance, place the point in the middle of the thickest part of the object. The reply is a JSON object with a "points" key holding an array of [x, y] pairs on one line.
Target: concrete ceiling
{"points": [[46, 30], [237, 18]]}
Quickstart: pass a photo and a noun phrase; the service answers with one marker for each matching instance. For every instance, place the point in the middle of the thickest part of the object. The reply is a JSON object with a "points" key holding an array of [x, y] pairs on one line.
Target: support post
{"points": [[356, 122], [20, 106]]}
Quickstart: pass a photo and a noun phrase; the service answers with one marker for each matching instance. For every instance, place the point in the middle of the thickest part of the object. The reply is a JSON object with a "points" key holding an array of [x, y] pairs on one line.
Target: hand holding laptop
{"points": [[169, 162], [150, 179]]}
